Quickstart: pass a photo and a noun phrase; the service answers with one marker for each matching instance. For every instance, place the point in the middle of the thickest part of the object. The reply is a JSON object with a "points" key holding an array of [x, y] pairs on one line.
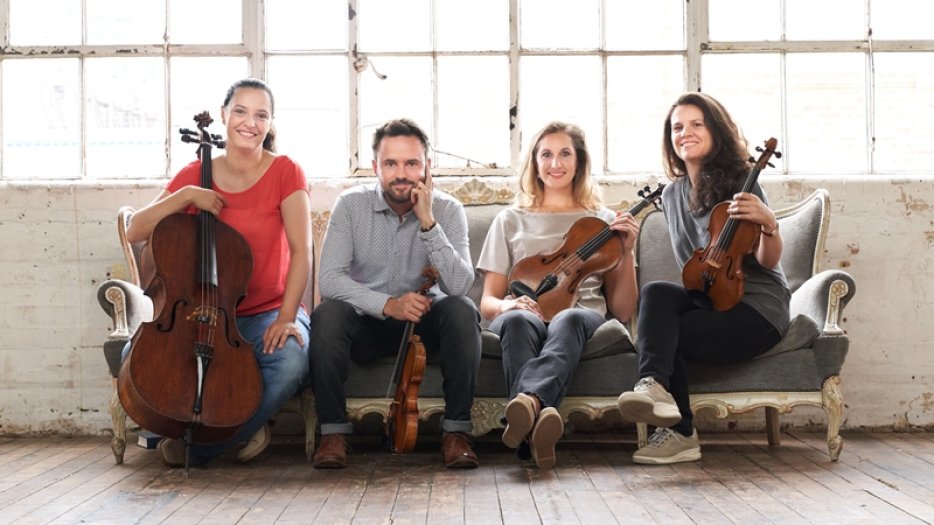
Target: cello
{"points": [[714, 275], [189, 374], [402, 421], [590, 247]]}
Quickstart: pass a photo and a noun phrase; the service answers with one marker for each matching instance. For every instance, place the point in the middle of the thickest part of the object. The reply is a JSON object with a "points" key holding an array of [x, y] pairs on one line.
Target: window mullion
{"points": [[254, 36], [697, 34], [515, 137], [353, 93]]}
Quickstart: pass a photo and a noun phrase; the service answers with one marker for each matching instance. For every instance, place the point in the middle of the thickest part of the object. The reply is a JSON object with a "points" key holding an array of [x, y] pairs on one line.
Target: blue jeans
{"points": [[540, 358], [284, 371]]}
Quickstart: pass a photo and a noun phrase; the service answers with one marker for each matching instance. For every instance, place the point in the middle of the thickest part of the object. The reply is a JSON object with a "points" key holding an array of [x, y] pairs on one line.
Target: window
{"points": [[97, 89]]}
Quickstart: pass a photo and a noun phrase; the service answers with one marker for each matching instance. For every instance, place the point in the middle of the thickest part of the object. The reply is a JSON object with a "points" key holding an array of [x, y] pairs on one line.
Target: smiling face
{"points": [[690, 136], [556, 161], [400, 164], [248, 117]]}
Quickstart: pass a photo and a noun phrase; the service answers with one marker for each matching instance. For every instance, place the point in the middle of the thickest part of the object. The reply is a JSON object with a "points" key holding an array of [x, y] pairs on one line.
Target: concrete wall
{"points": [[59, 242]]}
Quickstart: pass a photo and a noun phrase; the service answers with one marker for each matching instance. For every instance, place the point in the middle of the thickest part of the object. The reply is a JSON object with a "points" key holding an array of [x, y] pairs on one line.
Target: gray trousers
{"points": [[450, 329], [540, 358]]}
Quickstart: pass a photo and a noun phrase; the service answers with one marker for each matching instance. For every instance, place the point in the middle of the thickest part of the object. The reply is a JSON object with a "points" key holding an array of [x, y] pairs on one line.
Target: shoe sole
{"points": [[637, 408], [548, 430], [330, 465], [247, 454], [520, 418], [463, 462], [691, 454]]}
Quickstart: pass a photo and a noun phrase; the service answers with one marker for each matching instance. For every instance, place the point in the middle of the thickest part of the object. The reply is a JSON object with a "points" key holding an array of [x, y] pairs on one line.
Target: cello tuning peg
{"points": [[186, 131]]}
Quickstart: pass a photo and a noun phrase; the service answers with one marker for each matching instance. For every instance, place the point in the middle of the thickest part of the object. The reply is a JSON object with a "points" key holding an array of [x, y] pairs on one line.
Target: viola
{"points": [[402, 422], [714, 275], [189, 374], [590, 247]]}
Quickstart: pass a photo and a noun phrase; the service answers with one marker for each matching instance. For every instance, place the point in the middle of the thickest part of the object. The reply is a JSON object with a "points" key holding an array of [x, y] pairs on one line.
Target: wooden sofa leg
{"points": [[773, 430], [118, 420], [832, 398], [311, 421], [642, 435]]}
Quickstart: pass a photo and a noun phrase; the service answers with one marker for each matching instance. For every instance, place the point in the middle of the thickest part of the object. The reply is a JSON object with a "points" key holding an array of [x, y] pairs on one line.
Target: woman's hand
{"points": [[748, 207], [520, 303], [205, 199], [278, 332], [628, 229]]}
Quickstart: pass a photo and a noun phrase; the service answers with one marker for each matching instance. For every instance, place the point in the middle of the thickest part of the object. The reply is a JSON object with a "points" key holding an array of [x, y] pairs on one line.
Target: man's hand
{"points": [[421, 201], [409, 307]]}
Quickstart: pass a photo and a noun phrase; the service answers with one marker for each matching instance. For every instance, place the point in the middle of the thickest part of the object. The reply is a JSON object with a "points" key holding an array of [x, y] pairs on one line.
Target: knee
{"points": [[459, 312], [329, 318]]}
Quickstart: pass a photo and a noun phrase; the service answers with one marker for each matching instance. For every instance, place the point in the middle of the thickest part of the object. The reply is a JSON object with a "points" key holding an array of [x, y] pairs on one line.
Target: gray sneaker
{"points": [[650, 403], [668, 446]]}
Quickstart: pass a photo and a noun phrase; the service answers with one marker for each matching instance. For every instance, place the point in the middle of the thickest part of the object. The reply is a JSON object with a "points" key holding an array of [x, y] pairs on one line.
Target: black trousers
{"points": [[673, 330], [451, 329]]}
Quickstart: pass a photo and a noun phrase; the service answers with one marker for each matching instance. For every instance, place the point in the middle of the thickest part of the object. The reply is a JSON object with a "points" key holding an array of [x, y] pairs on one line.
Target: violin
{"points": [[589, 247], [402, 422], [714, 275], [189, 374]]}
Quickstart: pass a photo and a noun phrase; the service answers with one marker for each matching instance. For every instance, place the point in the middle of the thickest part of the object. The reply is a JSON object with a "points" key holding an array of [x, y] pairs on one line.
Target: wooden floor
{"points": [[880, 478]]}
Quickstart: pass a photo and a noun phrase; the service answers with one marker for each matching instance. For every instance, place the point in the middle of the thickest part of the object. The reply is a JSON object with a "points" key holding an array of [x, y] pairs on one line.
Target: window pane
{"points": [[904, 83], [125, 21], [825, 20], [636, 110], [189, 97], [745, 21], [902, 19], [125, 117], [187, 22], [405, 92], [748, 86], [394, 25], [559, 24], [45, 22], [478, 25], [300, 24], [552, 90], [638, 25], [826, 112], [311, 117], [478, 130], [41, 129]]}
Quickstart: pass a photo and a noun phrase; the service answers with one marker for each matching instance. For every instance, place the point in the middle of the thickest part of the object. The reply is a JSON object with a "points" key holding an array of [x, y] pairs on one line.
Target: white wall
{"points": [[59, 242]]}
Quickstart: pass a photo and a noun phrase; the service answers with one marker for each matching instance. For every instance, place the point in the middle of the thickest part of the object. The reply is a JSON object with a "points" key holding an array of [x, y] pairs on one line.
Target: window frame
{"points": [[697, 43]]}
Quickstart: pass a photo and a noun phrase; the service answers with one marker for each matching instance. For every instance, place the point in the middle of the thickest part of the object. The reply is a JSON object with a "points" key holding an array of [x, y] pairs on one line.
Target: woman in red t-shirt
{"points": [[264, 197]]}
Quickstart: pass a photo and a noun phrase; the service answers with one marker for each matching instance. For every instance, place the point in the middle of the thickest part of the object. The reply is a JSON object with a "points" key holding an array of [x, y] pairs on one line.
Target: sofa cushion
{"points": [[611, 338], [801, 334]]}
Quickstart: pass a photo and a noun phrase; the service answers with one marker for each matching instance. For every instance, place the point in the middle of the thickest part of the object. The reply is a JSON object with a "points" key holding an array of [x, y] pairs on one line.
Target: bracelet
{"points": [[771, 233]]}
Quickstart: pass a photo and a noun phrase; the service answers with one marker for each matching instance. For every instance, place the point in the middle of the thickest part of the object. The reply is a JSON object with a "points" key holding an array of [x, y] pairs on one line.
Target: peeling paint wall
{"points": [[60, 242]]}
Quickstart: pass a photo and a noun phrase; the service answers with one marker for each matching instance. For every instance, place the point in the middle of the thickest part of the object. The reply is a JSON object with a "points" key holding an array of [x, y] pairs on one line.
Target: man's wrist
{"points": [[430, 226]]}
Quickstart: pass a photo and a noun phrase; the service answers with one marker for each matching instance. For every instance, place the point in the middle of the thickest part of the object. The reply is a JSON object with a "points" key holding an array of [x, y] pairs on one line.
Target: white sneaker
{"points": [[255, 445], [668, 446], [650, 403]]}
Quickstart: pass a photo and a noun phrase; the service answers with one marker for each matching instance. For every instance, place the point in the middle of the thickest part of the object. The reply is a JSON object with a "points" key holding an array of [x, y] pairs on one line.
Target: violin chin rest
{"points": [[518, 289]]}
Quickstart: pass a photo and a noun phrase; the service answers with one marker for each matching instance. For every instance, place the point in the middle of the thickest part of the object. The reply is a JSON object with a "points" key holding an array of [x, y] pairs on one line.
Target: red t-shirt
{"points": [[256, 214]]}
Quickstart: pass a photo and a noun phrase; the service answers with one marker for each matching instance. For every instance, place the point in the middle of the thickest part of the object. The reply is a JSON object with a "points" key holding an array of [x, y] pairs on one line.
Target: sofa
{"points": [[803, 369]]}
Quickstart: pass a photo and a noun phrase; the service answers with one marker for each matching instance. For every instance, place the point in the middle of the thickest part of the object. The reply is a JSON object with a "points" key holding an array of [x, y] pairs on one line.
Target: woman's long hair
{"points": [[532, 189], [726, 166]]}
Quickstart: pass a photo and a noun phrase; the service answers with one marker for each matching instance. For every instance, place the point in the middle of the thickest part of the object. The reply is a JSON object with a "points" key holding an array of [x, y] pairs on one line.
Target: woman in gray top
{"points": [[539, 357], [706, 156]]}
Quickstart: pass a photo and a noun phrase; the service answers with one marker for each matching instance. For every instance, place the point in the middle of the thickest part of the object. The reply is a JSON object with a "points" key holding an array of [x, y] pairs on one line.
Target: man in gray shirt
{"points": [[379, 239]]}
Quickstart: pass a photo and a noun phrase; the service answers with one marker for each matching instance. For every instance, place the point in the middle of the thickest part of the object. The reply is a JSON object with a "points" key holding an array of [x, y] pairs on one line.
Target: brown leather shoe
{"points": [[458, 451], [332, 452]]}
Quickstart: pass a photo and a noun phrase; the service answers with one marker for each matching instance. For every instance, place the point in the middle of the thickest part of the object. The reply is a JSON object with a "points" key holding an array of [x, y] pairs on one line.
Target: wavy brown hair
{"points": [[532, 189], [726, 166]]}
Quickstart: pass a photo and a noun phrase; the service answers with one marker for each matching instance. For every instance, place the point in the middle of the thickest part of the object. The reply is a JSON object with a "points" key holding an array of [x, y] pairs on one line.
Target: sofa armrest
{"points": [[823, 298], [127, 306]]}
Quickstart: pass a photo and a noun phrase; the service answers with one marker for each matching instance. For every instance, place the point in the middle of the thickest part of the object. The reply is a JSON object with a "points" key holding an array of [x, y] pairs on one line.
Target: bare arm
{"points": [[296, 220], [165, 204], [620, 285], [495, 301]]}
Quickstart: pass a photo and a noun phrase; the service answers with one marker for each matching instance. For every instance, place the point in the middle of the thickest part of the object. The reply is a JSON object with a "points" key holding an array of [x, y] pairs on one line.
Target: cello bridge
{"points": [[204, 314]]}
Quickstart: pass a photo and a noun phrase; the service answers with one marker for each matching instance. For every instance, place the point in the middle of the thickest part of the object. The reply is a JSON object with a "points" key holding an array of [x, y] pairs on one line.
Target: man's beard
{"points": [[390, 194]]}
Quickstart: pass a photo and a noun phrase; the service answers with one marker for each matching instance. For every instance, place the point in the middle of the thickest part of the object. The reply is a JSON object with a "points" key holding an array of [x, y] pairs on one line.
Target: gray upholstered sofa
{"points": [[803, 369]]}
